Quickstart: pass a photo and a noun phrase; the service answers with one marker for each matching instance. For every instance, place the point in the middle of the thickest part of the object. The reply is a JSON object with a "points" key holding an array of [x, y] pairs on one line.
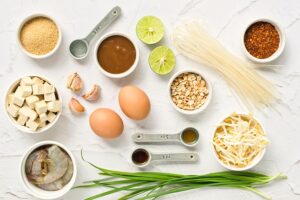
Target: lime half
{"points": [[150, 29], [162, 60]]}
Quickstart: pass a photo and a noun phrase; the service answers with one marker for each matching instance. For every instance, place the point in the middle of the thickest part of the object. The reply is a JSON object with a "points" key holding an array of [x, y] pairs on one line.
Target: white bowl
{"points": [[14, 122], [201, 108], [38, 192], [281, 44], [254, 162], [34, 55], [130, 70]]}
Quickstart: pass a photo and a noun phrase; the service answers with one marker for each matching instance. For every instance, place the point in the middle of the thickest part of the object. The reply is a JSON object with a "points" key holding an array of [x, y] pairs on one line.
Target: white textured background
{"points": [[224, 19]]}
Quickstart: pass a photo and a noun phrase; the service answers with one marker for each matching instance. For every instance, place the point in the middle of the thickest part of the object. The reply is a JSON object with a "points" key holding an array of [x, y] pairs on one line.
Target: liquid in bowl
{"points": [[116, 54]]}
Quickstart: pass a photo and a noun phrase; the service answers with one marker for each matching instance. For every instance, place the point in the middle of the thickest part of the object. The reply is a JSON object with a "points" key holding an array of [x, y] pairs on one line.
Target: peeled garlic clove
{"points": [[75, 106], [93, 94], [74, 82]]}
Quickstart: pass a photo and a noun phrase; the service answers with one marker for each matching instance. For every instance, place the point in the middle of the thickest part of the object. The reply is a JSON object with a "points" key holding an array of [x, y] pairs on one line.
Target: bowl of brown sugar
{"points": [[39, 36], [263, 41]]}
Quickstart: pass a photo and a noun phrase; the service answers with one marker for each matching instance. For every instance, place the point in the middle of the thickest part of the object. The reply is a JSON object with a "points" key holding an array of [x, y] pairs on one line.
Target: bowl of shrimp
{"points": [[48, 170]]}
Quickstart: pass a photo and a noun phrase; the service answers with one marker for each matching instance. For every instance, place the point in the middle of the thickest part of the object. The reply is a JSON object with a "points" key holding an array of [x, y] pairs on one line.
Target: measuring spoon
{"points": [[142, 157], [180, 137], [79, 48]]}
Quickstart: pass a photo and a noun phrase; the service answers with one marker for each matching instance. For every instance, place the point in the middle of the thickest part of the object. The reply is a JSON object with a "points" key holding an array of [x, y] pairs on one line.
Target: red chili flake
{"points": [[261, 40]]}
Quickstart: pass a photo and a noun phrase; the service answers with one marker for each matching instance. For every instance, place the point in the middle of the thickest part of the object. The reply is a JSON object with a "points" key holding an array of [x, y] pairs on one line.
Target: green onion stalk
{"points": [[152, 185]]}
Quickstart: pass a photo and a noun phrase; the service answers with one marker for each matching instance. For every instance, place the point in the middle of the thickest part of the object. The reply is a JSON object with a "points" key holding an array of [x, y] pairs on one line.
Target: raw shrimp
{"points": [[31, 158], [60, 183], [49, 167]]}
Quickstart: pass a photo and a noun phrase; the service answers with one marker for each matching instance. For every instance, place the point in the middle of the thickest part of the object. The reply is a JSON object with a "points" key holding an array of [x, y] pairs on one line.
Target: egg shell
{"points": [[106, 123], [134, 102]]}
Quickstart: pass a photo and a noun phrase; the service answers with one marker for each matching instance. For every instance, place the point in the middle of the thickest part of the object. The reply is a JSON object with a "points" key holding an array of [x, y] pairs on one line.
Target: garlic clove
{"points": [[74, 82], [93, 94], [75, 106], [70, 79]]}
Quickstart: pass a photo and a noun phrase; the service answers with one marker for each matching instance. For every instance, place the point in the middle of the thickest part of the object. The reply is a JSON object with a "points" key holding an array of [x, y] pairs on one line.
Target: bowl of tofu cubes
{"points": [[33, 104]]}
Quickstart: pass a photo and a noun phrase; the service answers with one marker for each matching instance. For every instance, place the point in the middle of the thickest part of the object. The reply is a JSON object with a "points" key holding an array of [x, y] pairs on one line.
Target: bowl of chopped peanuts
{"points": [[189, 92]]}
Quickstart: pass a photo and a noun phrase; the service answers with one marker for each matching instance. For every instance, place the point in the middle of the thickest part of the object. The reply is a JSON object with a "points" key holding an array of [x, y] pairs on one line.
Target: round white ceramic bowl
{"points": [[38, 192], [34, 55], [281, 44], [13, 87], [200, 109], [254, 162], [131, 69]]}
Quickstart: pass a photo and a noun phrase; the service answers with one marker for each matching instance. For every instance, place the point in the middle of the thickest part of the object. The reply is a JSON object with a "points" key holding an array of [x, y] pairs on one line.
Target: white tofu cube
{"points": [[13, 110], [10, 98], [48, 88], [19, 91], [26, 90], [41, 107], [51, 117], [18, 100], [31, 100], [32, 125], [42, 124], [43, 117], [49, 97], [54, 106], [38, 89], [26, 81], [22, 119], [37, 80], [25, 110]]}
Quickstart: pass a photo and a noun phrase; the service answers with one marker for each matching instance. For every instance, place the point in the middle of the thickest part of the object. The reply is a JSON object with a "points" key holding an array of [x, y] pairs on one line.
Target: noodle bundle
{"points": [[194, 42]]}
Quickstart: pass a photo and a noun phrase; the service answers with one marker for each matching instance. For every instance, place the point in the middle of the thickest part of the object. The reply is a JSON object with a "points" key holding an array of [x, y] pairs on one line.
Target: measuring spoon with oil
{"points": [[142, 157], [79, 48], [188, 137]]}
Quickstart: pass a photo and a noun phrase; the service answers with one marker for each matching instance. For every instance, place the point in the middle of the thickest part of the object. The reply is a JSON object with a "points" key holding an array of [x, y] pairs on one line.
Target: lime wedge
{"points": [[150, 29], [162, 60]]}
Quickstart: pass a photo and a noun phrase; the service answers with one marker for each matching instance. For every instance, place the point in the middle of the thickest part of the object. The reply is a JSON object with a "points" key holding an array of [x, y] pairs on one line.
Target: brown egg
{"points": [[134, 102], [106, 123]]}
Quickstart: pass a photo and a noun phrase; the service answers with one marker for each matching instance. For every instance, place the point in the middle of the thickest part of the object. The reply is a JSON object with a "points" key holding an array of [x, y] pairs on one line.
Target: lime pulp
{"points": [[162, 60], [150, 29]]}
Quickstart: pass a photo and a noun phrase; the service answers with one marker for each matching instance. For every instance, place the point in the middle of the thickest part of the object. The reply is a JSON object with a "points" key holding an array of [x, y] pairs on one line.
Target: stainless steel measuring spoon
{"points": [[168, 138], [142, 157], [79, 48]]}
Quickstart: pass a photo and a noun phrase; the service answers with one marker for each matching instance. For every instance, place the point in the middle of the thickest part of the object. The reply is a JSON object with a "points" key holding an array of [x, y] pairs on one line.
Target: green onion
{"points": [[152, 185]]}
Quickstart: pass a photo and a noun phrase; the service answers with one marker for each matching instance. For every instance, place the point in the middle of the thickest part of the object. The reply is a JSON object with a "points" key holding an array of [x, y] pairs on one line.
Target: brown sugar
{"points": [[39, 35], [261, 40]]}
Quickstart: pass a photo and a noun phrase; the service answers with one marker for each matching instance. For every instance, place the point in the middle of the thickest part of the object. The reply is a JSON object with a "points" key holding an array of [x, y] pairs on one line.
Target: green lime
{"points": [[150, 29], [162, 60]]}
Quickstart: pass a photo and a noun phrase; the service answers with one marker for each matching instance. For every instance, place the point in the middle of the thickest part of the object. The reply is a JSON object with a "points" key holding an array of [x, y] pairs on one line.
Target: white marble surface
{"points": [[224, 19]]}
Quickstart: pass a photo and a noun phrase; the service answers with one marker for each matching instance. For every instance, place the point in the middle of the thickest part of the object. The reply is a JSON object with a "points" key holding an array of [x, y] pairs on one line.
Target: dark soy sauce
{"points": [[140, 156]]}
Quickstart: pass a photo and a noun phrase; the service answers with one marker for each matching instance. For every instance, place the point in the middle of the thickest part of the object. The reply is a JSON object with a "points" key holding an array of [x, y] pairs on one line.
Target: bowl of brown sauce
{"points": [[116, 55]]}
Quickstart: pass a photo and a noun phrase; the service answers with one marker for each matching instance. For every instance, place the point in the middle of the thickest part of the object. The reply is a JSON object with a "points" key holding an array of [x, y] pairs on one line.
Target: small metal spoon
{"points": [[166, 138], [79, 48], [164, 157]]}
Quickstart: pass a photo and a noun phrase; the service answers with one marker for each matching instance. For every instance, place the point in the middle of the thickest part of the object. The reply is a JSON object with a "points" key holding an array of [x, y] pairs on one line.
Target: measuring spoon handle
{"points": [[160, 138], [176, 157], [104, 23]]}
